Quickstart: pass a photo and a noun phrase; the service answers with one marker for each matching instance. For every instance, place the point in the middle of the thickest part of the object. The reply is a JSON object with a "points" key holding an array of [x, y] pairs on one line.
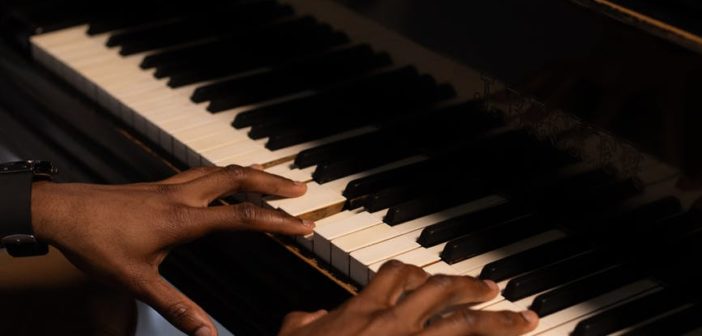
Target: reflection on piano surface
{"points": [[408, 154]]}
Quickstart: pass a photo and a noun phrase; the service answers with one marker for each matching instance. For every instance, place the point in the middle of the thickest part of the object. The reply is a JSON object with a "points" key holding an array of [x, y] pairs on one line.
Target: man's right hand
{"points": [[404, 300]]}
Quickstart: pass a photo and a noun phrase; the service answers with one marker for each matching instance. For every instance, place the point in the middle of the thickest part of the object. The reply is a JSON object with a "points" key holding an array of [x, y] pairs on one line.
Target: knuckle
{"points": [[400, 269], [508, 318], [178, 312], [392, 266], [415, 271], [441, 281], [467, 317], [235, 172], [248, 212]]}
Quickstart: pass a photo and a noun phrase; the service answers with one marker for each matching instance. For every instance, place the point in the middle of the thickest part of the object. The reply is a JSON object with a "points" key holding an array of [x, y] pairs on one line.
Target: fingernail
{"points": [[308, 223], [491, 284], [309, 236], [299, 183], [203, 331], [530, 316]]}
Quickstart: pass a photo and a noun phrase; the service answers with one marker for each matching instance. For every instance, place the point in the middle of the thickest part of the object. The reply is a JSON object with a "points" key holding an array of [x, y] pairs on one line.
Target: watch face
{"points": [[37, 167], [44, 168]]}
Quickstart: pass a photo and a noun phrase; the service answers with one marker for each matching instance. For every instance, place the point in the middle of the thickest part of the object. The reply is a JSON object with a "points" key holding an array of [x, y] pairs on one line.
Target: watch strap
{"points": [[16, 233], [15, 203]]}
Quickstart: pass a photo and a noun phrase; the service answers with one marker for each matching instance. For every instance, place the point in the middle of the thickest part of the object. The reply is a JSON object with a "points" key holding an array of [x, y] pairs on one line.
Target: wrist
{"points": [[41, 214]]}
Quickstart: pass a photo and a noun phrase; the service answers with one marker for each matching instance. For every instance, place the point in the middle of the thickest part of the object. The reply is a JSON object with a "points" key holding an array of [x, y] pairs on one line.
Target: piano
{"points": [[551, 146]]}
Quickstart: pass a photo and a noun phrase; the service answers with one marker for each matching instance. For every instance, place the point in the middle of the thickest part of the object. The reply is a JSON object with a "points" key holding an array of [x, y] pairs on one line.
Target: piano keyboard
{"points": [[377, 141]]}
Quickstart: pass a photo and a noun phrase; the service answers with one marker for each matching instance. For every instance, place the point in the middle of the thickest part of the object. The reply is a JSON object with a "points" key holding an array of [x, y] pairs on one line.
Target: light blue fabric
{"points": [[150, 323]]}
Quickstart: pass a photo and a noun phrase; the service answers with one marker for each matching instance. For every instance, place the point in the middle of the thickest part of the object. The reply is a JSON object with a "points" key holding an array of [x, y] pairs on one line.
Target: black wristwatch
{"points": [[16, 178]]}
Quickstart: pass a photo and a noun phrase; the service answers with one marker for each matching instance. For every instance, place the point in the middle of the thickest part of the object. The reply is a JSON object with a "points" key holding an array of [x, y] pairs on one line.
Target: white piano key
{"points": [[343, 246], [441, 268], [317, 197], [419, 257], [362, 258], [214, 128], [330, 193], [324, 235], [218, 155], [284, 170], [308, 241], [504, 305], [60, 38]]}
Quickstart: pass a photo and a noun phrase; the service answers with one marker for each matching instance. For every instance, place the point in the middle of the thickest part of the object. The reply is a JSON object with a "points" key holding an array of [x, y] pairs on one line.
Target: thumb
{"points": [[178, 309]]}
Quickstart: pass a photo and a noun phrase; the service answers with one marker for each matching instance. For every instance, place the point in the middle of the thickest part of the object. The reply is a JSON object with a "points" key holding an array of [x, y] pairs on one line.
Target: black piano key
{"points": [[255, 51], [287, 137], [373, 183], [307, 74], [311, 127], [326, 152], [493, 237], [456, 227], [273, 56], [267, 130], [677, 323], [199, 26], [435, 201], [244, 45], [394, 195], [290, 130], [250, 52], [323, 103], [317, 104], [532, 259], [130, 14], [628, 314], [583, 290], [161, 21], [276, 111], [553, 275], [333, 170]]}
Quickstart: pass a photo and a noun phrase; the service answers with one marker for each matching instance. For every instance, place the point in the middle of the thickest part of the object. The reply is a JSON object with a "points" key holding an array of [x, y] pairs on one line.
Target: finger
{"points": [[487, 323], [178, 309], [246, 216], [442, 291], [233, 179], [296, 320], [190, 175], [392, 281]]}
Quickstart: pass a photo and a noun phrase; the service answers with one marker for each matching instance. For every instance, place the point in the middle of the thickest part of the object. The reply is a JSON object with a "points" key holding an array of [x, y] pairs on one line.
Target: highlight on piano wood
{"points": [[519, 159]]}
